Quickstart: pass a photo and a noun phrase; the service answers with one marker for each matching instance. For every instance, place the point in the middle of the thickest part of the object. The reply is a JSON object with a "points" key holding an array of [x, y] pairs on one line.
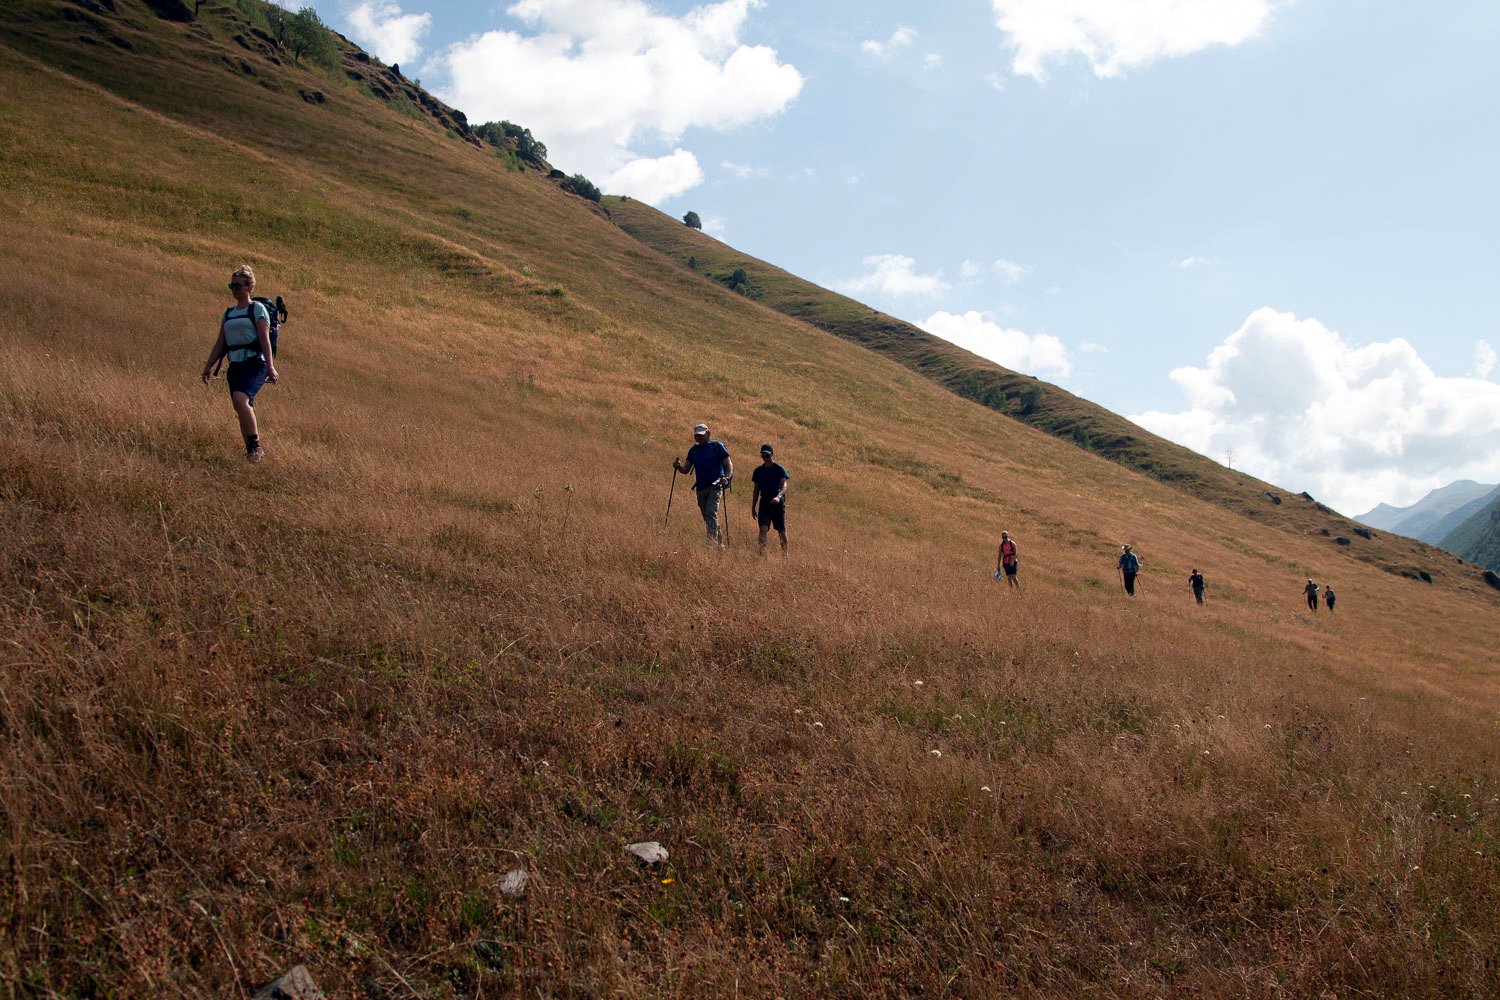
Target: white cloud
{"points": [[743, 171], [900, 39], [895, 275], [1302, 407], [1190, 263], [655, 179], [595, 78], [1015, 349], [995, 80], [382, 29], [1010, 272], [970, 270], [1484, 359], [715, 226], [932, 60], [1117, 35], [1090, 347]]}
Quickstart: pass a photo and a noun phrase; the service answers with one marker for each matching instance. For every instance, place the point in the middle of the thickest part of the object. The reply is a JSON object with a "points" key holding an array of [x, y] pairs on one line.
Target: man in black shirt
{"points": [[768, 497], [1196, 582]]}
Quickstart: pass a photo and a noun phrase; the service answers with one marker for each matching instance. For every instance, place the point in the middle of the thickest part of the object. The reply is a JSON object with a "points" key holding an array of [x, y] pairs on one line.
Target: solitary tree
{"points": [[692, 221], [305, 34], [582, 187]]}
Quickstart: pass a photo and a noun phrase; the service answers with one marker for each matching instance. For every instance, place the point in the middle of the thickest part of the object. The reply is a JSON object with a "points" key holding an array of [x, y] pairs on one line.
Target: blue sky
{"points": [[1264, 228]]}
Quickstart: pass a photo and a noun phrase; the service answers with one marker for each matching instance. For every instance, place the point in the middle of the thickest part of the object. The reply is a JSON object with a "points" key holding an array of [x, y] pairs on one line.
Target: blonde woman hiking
{"points": [[245, 337]]}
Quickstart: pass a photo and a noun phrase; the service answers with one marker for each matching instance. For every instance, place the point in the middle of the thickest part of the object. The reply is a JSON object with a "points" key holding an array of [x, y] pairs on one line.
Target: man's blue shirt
{"points": [[707, 460]]}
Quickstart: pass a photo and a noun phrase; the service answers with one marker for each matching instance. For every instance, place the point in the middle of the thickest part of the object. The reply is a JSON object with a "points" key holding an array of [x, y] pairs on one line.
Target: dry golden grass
{"points": [[312, 711]]}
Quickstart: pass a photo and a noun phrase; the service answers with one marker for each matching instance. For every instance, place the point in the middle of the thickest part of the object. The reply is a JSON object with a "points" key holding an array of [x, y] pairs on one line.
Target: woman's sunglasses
{"points": [[235, 286]]}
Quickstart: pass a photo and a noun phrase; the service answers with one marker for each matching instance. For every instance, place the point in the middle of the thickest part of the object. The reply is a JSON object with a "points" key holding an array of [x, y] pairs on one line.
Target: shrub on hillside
{"points": [[582, 187], [509, 135], [305, 34], [692, 221]]}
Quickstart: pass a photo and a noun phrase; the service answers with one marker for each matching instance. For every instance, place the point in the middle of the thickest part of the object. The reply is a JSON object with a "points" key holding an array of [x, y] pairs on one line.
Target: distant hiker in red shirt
{"points": [[1196, 582], [1311, 590], [1007, 560]]}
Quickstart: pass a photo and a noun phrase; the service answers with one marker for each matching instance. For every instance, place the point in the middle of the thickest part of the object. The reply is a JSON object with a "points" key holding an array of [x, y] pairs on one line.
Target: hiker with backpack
{"points": [[1328, 597], [713, 472], [245, 339], [1196, 582], [1129, 566], [769, 492], [1311, 590], [1007, 560]]}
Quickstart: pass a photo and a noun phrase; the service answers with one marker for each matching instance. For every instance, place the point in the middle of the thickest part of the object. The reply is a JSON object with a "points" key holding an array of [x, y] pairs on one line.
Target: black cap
{"points": [[766, 449]]}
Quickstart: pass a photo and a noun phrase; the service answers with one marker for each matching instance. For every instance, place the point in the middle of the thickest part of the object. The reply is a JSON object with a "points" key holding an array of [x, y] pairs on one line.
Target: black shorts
{"points": [[1011, 568], [771, 515]]}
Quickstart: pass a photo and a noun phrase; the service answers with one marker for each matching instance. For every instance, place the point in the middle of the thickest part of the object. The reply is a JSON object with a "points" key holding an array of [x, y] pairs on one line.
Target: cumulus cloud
{"points": [[1300, 406], [900, 39], [1118, 35], [655, 179], [1015, 349], [384, 30], [895, 275], [593, 79], [1484, 359]]}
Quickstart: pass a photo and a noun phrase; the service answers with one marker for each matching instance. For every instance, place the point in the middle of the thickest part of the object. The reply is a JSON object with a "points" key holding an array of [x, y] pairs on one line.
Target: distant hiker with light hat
{"points": [[245, 337], [1328, 597], [769, 492], [1311, 590], [1129, 566], [1007, 560], [1195, 581], [712, 469]]}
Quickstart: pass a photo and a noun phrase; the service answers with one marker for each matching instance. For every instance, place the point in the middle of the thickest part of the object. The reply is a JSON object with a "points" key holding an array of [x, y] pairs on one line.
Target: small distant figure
{"points": [[245, 337], [1196, 582], [1129, 565], [1007, 560], [709, 461], [769, 490], [1311, 590], [1329, 597]]}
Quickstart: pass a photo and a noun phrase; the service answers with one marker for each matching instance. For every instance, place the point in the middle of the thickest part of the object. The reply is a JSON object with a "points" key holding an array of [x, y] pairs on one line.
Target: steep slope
{"points": [[315, 710], [1477, 539], [1024, 398], [1444, 526], [1414, 521]]}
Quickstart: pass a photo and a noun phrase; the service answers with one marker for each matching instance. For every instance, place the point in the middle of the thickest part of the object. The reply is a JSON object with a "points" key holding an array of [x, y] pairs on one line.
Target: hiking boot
{"points": [[254, 455]]}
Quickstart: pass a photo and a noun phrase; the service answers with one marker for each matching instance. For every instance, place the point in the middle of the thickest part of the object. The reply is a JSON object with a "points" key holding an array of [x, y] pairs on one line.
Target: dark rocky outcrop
{"points": [[1492, 578], [1341, 540], [1273, 498], [171, 10]]}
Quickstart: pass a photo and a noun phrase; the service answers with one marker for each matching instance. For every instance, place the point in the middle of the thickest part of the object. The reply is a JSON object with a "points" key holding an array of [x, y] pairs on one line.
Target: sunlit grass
{"points": [[313, 711]]}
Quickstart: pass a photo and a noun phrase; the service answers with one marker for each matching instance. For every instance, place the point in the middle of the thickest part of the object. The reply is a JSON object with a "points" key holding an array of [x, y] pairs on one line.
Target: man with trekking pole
{"points": [[713, 471], [1129, 566]]}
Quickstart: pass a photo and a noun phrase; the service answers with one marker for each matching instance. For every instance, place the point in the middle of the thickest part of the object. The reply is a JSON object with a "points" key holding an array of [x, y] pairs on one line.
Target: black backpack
{"points": [[275, 310]]}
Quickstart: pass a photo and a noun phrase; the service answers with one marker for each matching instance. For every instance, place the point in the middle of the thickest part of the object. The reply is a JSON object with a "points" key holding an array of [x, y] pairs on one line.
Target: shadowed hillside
{"points": [[316, 710]]}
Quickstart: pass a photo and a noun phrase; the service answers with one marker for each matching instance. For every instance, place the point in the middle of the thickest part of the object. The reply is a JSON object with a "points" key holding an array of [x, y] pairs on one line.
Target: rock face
{"points": [[171, 10], [647, 853], [1273, 498], [295, 985]]}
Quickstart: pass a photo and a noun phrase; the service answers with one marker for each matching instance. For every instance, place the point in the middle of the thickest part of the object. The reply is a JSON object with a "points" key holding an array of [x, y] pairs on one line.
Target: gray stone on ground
{"points": [[514, 883], [295, 985], [647, 853]]}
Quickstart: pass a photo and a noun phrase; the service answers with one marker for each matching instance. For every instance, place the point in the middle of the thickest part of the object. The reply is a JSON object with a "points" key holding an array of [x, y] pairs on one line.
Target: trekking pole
{"points": [[671, 491], [724, 496]]}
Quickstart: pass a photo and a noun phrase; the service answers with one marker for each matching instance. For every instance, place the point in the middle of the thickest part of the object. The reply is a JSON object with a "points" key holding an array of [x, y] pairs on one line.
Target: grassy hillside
{"points": [[1477, 539], [1022, 397], [314, 710]]}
